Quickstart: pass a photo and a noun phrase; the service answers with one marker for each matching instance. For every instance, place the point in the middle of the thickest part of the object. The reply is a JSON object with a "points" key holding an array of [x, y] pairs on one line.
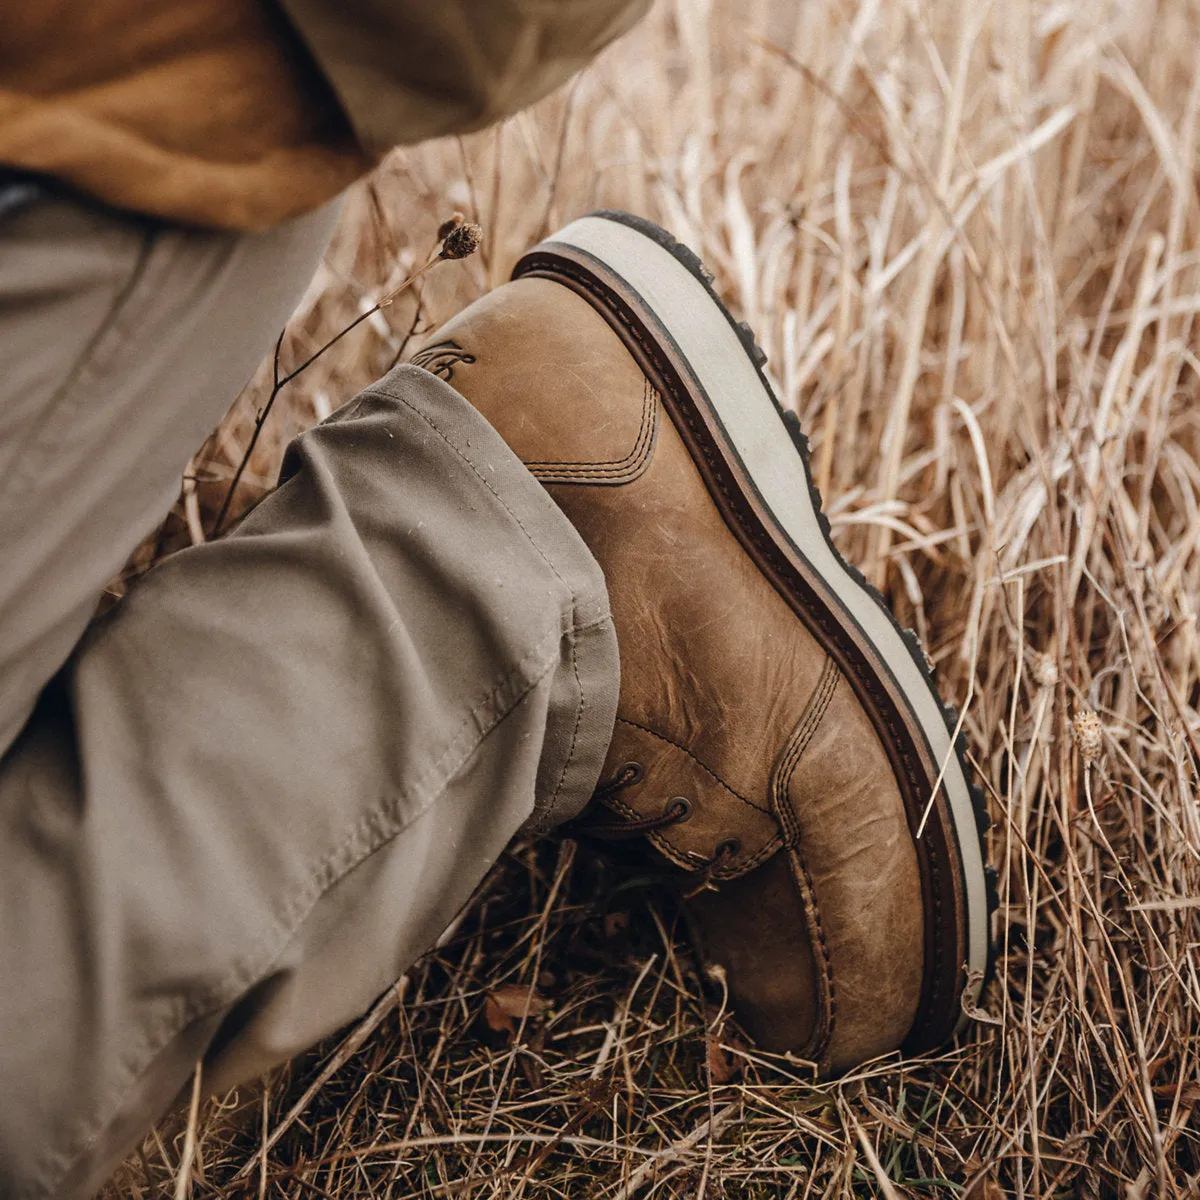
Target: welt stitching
{"points": [[936, 976], [629, 464], [706, 769]]}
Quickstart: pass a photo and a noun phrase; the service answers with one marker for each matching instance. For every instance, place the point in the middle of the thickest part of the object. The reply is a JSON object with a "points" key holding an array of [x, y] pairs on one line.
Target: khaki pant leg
{"points": [[122, 343], [269, 777]]}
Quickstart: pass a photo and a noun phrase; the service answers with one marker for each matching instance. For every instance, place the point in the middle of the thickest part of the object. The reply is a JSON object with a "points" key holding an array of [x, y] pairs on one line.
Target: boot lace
{"points": [[678, 809]]}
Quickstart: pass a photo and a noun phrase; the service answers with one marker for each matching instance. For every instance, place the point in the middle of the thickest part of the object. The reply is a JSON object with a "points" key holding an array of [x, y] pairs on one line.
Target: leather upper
{"points": [[796, 835]]}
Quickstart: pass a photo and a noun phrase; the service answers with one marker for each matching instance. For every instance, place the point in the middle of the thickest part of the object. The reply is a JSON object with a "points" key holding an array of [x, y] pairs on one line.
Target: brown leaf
{"points": [[722, 1066], [984, 1188], [1189, 1093], [615, 923], [1156, 1064], [507, 1005]]}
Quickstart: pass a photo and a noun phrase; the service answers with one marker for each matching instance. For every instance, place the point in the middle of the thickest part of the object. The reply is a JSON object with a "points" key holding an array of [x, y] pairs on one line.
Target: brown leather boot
{"points": [[778, 738]]}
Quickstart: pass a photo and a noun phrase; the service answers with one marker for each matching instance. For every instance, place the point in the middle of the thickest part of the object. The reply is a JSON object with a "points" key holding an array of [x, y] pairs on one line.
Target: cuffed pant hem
{"points": [[270, 777]]}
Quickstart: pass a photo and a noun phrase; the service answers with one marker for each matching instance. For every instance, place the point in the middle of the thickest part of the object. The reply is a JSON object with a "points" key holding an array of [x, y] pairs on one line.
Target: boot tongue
{"points": [[755, 927]]}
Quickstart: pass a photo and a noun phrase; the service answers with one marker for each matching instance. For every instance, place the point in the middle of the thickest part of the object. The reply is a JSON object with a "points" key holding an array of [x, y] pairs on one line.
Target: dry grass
{"points": [[967, 234]]}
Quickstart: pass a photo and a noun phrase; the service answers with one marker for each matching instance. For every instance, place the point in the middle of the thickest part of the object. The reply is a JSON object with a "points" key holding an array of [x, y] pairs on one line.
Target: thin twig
{"points": [[278, 384]]}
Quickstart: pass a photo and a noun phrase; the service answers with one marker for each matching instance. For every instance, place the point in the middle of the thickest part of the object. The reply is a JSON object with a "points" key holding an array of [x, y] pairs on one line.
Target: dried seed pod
{"points": [[461, 242], [1088, 734]]}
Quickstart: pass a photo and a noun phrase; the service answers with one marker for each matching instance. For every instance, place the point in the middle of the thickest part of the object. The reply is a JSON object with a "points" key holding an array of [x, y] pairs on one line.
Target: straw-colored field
{"points": [[968, 236]]}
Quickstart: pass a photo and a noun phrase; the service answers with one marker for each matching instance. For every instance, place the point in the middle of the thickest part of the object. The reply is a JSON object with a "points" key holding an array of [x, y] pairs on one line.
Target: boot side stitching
{"points": [[746, 865], [706, 769], [799, 741], [569, 273], [664, 847], [623, 470]]}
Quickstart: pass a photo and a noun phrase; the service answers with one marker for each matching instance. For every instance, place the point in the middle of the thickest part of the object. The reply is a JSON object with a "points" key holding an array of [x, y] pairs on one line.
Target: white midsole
{"points": [[723, 369]]}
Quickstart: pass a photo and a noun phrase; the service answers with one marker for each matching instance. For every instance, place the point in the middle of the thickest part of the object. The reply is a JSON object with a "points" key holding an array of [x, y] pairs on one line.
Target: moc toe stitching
{"points": [[826, 1022], [610, 307], [818, 705]]}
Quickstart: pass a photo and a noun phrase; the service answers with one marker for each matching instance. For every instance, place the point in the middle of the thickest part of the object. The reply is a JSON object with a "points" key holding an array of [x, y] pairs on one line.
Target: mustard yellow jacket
{"points": [[242, 113]]}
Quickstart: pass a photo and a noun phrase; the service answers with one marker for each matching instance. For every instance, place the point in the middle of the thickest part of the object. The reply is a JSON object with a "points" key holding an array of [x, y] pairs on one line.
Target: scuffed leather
{"points": [[726, 698]]}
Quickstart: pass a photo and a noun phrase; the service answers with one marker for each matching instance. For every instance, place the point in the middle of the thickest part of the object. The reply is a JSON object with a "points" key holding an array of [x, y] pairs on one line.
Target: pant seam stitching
{"points": [[578, 718], [326, 876]]}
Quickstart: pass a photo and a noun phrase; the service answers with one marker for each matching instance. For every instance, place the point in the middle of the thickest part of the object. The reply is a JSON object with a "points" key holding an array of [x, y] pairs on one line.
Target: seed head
{"points": [[461, 242], [716, 974], [1044, 668], [1088, 734]]}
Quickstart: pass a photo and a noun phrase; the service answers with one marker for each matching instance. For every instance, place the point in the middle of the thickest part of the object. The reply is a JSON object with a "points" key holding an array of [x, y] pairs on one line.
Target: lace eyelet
{"points": [[728, 849], [630, 773], [680, 807]]}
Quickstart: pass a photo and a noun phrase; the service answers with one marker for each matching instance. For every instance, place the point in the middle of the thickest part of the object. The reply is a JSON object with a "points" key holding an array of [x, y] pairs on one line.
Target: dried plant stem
{"points": [[183, 1177], [278, 383]]}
